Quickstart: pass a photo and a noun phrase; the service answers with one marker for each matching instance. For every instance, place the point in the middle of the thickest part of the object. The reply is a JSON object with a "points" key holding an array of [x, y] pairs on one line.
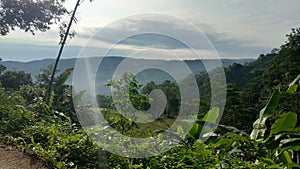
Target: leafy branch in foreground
{"points": [[30, 16]]}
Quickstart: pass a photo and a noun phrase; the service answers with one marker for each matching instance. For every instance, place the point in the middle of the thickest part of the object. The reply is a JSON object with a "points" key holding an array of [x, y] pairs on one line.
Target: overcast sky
{"points": [[236, 28]]}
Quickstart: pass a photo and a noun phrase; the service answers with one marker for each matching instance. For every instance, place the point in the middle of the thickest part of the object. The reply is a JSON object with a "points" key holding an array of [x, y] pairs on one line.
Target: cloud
{"points": [[27, 52], [149, 33], [158, 45]]}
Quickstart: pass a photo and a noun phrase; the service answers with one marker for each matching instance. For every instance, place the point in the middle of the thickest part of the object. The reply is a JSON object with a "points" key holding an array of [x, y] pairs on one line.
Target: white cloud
{"points": [[237, 28]]}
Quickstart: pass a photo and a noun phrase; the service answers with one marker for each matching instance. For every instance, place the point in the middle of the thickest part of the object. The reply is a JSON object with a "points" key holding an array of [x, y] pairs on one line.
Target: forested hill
{"points": [[259, 101], [241, 75], [35, 67], [250, 85]]}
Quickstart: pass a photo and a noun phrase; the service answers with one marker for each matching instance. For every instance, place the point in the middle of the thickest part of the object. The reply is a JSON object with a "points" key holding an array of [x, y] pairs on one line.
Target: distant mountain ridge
{"points": [[35, 67], [108, 66]]}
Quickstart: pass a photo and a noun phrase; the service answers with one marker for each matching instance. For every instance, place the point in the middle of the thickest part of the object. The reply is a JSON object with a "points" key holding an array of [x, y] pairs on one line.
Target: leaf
{"points": [[297, 129], [286, 122], [180, 129], [268, 161], [292, 89], [293, 86], [290, 144], [204, 126], [285, 158], [194, 129], [130, 122], [118, 118], [159, 136], [272, 104], [274, 166], [62, 79], [224, 141], [212, 115], [259, 126], [51, 98], [229, 129]]}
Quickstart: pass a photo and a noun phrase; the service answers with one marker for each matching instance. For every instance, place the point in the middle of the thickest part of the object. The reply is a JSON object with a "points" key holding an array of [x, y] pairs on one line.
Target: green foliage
{"points": [[204, 126], [242, 75], [259, 126], [128, 87], [43, 78], [47, 130], [46, 133], [60, 98], [172, 92], [30, 16], [294, 85], [119, 122], [104, 101], [2, 68], [282, 70], [286, 122], [15, 79]]}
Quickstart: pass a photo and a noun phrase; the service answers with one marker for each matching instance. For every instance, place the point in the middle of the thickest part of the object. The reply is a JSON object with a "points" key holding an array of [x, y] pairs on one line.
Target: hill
{"points": [[34, 67]]}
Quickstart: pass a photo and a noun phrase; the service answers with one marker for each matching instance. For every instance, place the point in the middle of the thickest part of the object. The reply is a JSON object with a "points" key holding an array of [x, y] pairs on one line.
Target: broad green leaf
{"points": [[224, 141], [285, 158], [212, 115], [272, 104], [268, 161], [294, 85], [291, 144], [259, 126], [194, 129], [297, 129], [274, 166], [292, 89], [206, 125], [286, 122]]}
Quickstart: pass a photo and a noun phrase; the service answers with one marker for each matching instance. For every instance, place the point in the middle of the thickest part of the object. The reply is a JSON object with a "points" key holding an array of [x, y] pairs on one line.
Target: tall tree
{"points": [[30, 15], [64, 36], [2, 68], [283, 69], [15, 79]]}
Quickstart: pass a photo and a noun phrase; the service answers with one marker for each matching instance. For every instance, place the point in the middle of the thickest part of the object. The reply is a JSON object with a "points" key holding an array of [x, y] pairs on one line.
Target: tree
{"points": [[30, 15], [172, 92], [283, 69], [43, 78], [63, 36], [2, 68], [37, 15], [15, 79], [149, 87], [285, 66], [128, 87]]}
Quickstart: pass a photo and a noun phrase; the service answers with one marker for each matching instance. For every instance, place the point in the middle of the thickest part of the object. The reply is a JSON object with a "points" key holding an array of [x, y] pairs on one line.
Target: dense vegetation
{"points": [[259, 128]]}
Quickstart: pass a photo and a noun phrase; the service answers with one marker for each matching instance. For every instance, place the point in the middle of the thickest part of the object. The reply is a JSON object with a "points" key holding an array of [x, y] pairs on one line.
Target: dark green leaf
{"points": [[294, 85], [292, 144], [286, 122], [259, 126]]}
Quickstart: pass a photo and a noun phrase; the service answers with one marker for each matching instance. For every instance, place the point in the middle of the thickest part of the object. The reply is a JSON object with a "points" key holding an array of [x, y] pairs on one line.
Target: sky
{"points": [[166, 29]]}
